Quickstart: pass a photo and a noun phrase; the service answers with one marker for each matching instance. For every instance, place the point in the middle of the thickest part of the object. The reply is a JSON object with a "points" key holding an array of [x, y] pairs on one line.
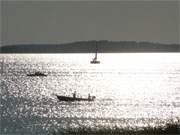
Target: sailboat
{"points": [[94, 60]]}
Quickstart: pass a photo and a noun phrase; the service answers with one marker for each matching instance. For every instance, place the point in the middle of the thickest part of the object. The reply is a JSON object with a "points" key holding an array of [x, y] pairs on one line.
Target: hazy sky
{"points": [[58, 22]]}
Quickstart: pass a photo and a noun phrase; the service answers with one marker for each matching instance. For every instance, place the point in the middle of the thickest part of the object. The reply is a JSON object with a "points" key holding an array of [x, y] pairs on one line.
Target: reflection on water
{"points": [[132, 90]]}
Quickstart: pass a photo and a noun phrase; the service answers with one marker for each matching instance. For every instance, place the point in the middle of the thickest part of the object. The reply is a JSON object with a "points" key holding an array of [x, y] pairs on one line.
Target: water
{"points": [[132, 90]]}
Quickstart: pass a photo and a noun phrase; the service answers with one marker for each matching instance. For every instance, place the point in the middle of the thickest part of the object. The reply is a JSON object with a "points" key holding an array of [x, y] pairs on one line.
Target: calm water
{"points": [[133, 90]]}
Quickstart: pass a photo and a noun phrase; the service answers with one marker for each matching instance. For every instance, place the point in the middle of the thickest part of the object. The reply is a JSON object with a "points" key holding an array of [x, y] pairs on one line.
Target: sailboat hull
{"points": [[95, 62]]}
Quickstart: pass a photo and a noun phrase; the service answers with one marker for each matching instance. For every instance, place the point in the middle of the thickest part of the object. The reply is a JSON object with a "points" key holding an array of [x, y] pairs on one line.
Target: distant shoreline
{"points": [[90, 47]]}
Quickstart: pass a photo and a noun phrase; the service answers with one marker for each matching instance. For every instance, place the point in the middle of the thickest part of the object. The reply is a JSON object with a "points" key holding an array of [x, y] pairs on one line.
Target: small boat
{"points": [[37, 74], [95, 61], [72, 99]]}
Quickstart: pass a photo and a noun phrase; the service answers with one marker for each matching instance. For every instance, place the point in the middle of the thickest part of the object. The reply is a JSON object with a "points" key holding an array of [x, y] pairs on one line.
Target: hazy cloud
{"points": [[57, 21]]}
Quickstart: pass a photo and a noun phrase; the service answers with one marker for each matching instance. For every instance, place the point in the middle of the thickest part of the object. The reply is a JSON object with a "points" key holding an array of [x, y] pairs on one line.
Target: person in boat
{"points": [[74, 94], [89, 96]]}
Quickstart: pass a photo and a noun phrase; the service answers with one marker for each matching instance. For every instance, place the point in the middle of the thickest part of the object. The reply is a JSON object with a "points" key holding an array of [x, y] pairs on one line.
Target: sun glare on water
{"points": [[131, 89]]}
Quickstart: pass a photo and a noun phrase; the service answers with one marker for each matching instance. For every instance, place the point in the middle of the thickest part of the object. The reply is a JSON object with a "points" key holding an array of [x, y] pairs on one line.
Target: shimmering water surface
{"points": [[132, 90]]}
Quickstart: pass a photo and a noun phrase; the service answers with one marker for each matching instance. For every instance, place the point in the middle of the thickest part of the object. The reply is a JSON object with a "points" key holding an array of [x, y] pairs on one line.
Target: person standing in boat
{"points": [[74, 94], [89, 96]]}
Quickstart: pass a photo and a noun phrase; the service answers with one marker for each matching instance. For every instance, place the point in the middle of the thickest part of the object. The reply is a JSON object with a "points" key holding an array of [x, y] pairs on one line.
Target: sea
{"points": [[133, 91]]}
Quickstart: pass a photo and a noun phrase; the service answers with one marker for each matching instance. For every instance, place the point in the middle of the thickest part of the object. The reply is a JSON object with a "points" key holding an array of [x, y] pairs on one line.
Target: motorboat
{"points": [[37, 74], [72, 99]]}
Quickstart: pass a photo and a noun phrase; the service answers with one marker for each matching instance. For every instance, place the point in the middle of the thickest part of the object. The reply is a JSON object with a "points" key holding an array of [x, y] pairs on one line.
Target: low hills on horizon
{"points": [[104, 46]]}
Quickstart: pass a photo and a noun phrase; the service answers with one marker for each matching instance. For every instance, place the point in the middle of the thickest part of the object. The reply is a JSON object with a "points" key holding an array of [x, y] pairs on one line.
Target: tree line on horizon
{"points": [[104, 46]]}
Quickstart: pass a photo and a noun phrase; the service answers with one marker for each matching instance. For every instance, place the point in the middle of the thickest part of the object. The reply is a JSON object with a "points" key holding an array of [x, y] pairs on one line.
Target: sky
{"points": [[46, 22]]}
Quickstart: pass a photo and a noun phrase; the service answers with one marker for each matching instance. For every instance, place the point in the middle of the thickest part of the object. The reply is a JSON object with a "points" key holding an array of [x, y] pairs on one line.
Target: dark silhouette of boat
{"points": [[37, 74], [66, 98], [95, 61]]}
